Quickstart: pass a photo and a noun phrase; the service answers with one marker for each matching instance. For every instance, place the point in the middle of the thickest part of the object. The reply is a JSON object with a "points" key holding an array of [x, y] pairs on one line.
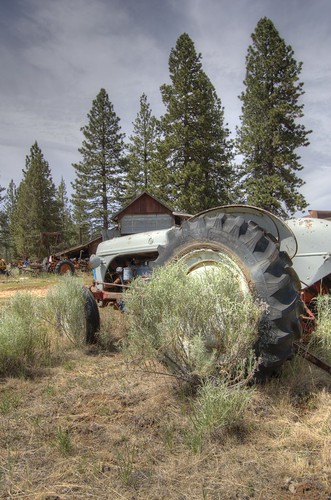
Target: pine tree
{"points": [[3, 225], [142, 149], [9, 202], [270, 132], [36, 210], [196, 153], [98, 188], [67, 228]]}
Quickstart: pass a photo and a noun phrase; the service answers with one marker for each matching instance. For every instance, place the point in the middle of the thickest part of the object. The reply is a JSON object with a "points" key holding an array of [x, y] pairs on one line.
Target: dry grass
{"points": [[94, 427]]}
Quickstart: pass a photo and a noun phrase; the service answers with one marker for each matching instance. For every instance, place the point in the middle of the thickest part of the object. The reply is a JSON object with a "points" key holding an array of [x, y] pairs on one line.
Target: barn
{"points": [[145, 213], [320, 214]]}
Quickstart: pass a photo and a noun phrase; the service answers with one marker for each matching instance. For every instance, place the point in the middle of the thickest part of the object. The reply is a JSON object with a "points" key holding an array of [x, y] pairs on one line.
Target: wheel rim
{"points": [[65, 268], [215, 270], [202, 262]]}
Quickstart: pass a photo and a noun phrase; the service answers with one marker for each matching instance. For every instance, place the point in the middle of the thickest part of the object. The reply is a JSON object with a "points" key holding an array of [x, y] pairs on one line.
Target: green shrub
{"points": [[63, 442], [216, 408], [35, 329], [65, 309], [323, 327], [199, 327], [24, 338]]}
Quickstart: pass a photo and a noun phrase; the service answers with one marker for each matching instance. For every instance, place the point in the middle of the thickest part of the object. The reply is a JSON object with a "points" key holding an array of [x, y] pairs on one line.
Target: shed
{"points": [[80, 251], [146, 213], [320, 214]]}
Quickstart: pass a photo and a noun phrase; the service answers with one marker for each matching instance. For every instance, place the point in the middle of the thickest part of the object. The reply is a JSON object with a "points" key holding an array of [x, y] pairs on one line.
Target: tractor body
{"points": [[306, 241], [285, 264]]}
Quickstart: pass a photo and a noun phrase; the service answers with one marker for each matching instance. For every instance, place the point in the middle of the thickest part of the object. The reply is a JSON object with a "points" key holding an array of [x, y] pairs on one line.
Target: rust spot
{"points": [[306, 222]]}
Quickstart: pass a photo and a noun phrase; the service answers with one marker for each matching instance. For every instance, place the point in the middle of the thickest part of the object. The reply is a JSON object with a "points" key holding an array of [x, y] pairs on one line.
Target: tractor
{"points": [[3, 266], [59, 263], [286, 264]]}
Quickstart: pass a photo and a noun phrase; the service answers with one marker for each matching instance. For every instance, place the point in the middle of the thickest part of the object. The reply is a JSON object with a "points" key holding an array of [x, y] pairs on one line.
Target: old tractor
{"points": [[59, 262], [3, 266], [285, 264]]}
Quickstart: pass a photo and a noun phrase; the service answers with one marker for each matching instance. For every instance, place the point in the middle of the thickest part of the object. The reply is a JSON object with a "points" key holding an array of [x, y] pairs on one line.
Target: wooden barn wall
{"points": [[92, 247], [320, 214], [145, 205]]}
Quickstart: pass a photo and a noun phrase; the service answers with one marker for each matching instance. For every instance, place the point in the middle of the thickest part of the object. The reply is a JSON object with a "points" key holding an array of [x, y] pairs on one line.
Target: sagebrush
{"points": [[199, 327], [33, 329]]}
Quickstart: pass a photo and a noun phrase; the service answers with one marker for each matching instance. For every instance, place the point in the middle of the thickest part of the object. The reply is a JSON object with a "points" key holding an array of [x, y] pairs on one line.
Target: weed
{"points": [[125, 461], [69, 365], [169, 437], [63, 442], [216, 408], [113, 329], [50, 390], [8, 402]]}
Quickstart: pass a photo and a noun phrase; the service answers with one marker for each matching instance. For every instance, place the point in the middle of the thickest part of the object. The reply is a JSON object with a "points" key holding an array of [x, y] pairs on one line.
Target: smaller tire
{"points": [[64, 267], [92, 317]]}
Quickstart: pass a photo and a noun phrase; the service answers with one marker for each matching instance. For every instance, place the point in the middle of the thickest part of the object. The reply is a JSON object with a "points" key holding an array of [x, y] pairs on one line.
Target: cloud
{"points": [[55, 57]]}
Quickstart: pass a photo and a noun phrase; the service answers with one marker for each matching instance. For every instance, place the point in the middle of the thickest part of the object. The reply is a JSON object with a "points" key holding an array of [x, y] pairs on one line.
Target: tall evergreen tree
{"points": [[270, 131], [9, 203], [3, 224], [196, 152], [98, 188], [66, 226], [142, 152], [36, 210]]}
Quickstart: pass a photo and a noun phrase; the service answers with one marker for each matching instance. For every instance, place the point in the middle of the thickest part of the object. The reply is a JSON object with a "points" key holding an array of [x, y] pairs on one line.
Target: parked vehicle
{"points": [[285, 264], [63, 265], [3, 266]]}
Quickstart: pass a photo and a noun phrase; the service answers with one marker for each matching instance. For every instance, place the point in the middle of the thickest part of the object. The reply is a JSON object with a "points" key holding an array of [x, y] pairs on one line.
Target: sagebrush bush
{"points": [[65, 309], [33, 329], [323, 326], [24, 336], [217, 407], [198, 326]]}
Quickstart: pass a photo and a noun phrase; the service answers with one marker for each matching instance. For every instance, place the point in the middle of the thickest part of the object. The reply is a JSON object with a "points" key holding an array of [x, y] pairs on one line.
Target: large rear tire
{"points": [[254, 257]]}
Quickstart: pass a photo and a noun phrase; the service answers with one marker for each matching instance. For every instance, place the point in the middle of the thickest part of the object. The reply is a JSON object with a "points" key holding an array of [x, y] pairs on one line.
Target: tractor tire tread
{"points": [[274, 281]]}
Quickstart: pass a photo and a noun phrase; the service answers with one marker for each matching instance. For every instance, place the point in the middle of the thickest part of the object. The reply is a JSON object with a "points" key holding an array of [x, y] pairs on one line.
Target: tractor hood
{"points": [[133, 244]]}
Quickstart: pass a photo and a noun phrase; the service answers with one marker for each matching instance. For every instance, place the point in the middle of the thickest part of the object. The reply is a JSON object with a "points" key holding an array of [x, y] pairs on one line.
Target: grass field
{"points": [[90, 425]]}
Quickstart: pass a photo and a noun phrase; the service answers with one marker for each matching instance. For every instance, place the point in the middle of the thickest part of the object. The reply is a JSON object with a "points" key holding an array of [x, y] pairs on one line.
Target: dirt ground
{"points": [[36, 285], [38, 291]]}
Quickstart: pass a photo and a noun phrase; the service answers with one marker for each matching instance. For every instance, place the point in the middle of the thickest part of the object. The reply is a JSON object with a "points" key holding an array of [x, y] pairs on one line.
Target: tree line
{"points": [[185, 158]]}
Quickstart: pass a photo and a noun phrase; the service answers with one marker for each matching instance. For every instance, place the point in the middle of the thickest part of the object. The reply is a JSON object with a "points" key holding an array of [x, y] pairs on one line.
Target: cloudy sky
{"points": [[56, 55]]}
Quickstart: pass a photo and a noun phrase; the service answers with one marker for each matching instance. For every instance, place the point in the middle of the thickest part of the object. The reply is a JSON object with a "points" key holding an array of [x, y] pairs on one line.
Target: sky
{"points": [[56, 55]]}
